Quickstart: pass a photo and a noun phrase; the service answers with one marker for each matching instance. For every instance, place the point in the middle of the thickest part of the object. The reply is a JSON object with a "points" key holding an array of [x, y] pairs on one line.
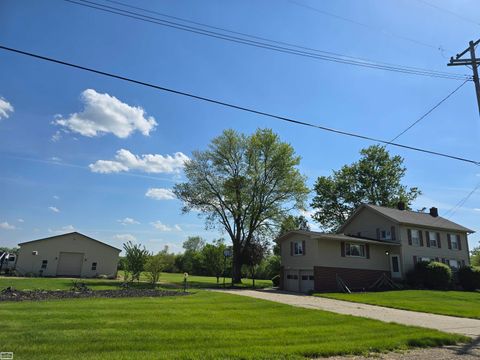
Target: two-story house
{"points": [[375, 240]]}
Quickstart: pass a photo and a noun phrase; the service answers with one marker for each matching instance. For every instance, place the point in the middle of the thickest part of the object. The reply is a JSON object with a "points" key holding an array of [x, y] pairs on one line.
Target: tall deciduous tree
{"points": [[374, 179], [244, 185]]}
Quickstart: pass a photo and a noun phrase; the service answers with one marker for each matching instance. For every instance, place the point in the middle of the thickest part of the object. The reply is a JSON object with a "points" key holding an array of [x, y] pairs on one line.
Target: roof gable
{"points": [[71, 233]]}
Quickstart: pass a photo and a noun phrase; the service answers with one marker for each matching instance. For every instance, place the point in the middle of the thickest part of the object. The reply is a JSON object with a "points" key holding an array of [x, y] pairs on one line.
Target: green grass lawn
{"points": [[167, 280], [205, 325], [455, 303]]}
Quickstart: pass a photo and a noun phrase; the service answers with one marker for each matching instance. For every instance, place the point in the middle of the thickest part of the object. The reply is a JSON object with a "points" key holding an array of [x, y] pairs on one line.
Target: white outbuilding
{"points": [[67, 255]]}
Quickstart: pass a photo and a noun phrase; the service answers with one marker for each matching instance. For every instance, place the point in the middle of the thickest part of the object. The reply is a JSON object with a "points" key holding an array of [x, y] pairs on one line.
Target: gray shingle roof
{"points": [[418, 218]]}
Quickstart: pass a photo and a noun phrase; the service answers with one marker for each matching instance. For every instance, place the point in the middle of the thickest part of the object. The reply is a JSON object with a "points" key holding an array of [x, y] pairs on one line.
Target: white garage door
{"points": [[70, 264], [306, 281], [291, 280]]}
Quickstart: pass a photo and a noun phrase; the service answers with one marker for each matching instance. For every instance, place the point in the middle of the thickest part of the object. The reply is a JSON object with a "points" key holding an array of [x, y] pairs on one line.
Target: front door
{"points": [[395, 266]]}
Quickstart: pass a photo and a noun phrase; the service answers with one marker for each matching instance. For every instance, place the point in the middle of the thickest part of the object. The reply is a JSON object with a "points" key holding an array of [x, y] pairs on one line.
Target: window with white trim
{"points": [[432, 238], [454, 241], [44, 264], [415, 237], [298, 248], [355, 250], [94, 266]]}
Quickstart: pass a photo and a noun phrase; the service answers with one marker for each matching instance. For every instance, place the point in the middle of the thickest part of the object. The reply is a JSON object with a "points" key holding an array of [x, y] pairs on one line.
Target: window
{"points": [[94, 266], [355, 250], [453, 264], [304, 277], [454, 241], [292, 277], [385, 235], [44, 264], [432, 238], [415, 237], [298, 248], [310, 277]]}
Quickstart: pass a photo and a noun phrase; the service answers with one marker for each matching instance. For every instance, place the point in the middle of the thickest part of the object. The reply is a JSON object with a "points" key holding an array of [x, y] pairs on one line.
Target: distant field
{"points": [[166, 280], [454, 303], [205, 325]]}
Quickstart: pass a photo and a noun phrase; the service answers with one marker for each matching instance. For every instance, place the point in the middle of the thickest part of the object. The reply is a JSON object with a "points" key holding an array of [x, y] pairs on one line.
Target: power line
{"points": [[449, 12], [428, 112], [365, 26], [238, 107], [448, 214], [266, 39], [312, 53]]}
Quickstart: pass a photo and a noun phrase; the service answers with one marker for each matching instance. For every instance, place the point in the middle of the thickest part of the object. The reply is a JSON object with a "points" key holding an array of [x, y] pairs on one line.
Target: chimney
{"points": [[434, 211], [401, 205]]}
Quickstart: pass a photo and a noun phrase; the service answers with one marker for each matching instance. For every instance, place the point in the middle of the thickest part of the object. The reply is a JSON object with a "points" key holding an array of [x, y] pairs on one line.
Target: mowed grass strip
{"points": [[167, 280], [204, 325], [454, 303]]}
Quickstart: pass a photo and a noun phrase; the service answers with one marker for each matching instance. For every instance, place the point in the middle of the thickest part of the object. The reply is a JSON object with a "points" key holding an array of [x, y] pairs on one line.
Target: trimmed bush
{"points": [[469, 278], [276, 280], [438, 276], [430, 275]]}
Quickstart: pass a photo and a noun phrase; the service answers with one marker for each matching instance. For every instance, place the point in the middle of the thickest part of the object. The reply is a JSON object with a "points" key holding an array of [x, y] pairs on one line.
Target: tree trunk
{"points": [[236, 266]]}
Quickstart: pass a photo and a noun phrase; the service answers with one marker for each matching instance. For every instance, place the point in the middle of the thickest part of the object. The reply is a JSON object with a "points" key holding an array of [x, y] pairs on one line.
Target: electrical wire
{"points": [[428, 112], [237, 107], [283, 49]]}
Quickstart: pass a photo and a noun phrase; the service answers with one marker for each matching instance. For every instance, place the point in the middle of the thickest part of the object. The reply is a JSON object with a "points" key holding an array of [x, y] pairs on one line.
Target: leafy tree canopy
{"points": [[375, 179], [244, 185]]}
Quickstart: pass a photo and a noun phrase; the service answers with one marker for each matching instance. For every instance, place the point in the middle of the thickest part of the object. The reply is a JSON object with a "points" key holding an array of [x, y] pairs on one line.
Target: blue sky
{"points": [[72, 143]]}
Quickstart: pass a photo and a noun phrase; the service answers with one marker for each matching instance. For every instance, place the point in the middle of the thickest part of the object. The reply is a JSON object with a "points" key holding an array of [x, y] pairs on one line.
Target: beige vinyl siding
{"points": [[49, 249], [324, 252], [366, 223], [409, 251]]}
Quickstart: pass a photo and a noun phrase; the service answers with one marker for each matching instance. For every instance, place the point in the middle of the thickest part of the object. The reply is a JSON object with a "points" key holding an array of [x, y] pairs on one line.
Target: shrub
{"points": [[438, 275], [430, 275], [469, 278], [276, 280]]}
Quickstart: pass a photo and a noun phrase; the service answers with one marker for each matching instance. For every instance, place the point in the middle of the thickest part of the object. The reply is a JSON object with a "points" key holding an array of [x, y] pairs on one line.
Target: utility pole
{"points": [[473, 62]]}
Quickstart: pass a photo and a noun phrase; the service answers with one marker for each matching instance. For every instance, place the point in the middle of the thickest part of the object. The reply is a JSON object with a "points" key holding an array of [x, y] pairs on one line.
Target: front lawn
{"points": [[204, 325], [167, 280], [454, 303]]}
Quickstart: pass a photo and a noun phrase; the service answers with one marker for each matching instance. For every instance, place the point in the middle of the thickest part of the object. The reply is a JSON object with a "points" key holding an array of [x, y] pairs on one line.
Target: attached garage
{"points": [[67, 255], [298, 280]]}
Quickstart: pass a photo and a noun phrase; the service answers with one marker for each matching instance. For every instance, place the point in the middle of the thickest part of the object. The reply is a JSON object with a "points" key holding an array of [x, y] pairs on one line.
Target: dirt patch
{"points": [[10, 294]]}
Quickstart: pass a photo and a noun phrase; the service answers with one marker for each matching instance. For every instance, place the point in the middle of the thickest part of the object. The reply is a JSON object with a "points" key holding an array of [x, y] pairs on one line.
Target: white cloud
{"points": [[125, 237], [56, 136], [5, 108], [20, 220], [6, 226], [56, 197], [476, 209], [54, 209], [103, 114], [63, 229], [128, 221], [149, 163], [55, 158], [162, 227], [160, 194]]}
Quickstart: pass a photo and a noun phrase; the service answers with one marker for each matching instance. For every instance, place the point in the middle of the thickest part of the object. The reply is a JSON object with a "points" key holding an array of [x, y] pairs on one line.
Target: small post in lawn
{"points": [[226, 253], [185, 276]]}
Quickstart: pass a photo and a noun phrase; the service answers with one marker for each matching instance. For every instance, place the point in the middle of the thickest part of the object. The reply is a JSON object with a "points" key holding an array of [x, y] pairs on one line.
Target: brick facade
{"points": [[325, 277]]}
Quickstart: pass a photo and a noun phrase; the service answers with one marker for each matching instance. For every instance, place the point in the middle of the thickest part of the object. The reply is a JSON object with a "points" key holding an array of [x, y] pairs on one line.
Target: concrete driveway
{"points": [[469, 327]]}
